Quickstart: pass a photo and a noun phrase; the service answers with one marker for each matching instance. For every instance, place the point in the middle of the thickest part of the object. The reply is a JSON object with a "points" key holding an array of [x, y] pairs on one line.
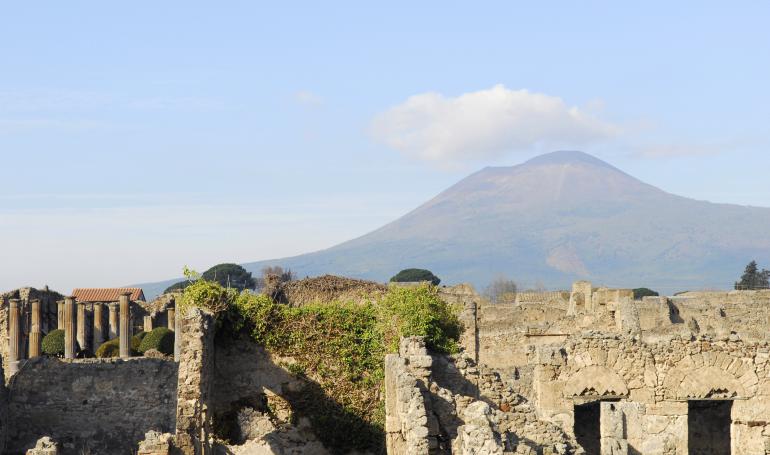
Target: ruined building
{"points": [[589, 370]]}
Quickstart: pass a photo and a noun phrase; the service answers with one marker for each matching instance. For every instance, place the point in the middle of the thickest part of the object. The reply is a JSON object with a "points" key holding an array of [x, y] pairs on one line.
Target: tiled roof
{"points": [[105, 294]]}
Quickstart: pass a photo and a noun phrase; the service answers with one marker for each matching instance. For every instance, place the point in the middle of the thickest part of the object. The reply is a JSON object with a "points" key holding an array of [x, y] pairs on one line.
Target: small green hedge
{"points": [[111, 348], [160, 339], [53, 343]]}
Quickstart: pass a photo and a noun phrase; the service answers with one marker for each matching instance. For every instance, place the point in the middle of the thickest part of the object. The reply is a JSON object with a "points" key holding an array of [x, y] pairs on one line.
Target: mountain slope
{"points": [[553, 219]]}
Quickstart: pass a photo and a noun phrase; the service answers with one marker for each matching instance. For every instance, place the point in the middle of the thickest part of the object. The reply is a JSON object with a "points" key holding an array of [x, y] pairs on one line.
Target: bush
{"points": [[416, 275], [136, 340], [109, 348], [419, 311], [160, 339], [53, 343]]}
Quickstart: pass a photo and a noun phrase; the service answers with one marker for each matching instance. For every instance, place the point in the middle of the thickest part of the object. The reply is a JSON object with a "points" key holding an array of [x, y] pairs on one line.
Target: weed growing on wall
{"points": [[339, 347]]}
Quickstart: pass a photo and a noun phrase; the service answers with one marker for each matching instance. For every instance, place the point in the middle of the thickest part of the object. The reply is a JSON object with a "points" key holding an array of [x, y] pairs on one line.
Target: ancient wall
{"points": [[654, 384], [410, 428], [195, 378], [101, 405]]}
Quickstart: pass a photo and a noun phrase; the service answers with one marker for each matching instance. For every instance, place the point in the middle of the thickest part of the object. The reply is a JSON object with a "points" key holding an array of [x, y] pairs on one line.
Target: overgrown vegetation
{"points": [[339, 347], [228, 275]]}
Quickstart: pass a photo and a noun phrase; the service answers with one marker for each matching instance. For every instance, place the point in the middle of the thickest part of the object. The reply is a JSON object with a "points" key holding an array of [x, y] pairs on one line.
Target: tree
{"points": [[415, 275], [278, 274], [753, 278], [501, 289], [228, 275], [639, 293]]}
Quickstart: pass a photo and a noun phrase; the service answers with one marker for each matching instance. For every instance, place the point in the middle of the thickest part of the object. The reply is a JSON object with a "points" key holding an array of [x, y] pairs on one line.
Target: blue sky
{"points": [[139, 137]]}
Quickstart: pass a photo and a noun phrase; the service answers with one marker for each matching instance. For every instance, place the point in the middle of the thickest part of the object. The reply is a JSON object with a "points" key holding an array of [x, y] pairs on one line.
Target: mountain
{"points": [[554, 219]]}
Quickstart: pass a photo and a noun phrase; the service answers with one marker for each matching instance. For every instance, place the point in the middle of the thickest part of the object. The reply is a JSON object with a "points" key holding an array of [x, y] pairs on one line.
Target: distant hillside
{"points": [[556, 218]]}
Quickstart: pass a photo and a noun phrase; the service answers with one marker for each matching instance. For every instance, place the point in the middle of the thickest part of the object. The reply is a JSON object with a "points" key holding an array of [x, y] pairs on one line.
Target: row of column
{"points": [[74, 327]]}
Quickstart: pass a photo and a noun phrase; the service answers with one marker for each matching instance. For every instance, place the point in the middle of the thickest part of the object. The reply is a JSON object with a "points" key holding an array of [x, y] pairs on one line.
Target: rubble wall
{"points": [[653, 383], [101, 405]]}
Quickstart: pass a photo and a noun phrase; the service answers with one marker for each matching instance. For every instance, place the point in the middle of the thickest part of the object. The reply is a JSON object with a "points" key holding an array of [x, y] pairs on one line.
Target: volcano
{"points": [[551, 220]]}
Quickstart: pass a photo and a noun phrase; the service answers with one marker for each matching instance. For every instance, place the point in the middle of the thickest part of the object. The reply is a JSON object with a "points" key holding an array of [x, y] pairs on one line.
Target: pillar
{"points": [[35, 329], [147, 323], [14, 331], [125, 326], [177, 337], [171, 313], [70, 348], [98, 325], [81, 325], [113, 321], [60, 315]]}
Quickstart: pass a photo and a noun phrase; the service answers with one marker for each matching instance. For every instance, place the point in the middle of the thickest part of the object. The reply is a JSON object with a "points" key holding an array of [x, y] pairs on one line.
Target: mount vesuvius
{"points": [[553, 219]]}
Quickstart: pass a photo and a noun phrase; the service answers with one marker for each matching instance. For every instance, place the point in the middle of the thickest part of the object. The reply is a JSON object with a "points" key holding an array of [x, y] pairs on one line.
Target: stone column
{"points": [[177, 336], [147, 323], [81, 324], [34, 332], [98, 325], [70, 348], [125, 326], [60, 315], [14, 331], [113, 320], [171, 316], [193, 418]]}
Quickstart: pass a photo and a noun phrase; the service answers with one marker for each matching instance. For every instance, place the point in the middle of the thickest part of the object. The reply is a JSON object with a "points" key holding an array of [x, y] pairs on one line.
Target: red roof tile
{"points": [[105, 294]]}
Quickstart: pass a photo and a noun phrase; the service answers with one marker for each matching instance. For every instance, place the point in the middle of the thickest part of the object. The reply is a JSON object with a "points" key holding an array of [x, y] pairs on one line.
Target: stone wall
{"points": [[101, 405], [196, 360], [654, 383]]}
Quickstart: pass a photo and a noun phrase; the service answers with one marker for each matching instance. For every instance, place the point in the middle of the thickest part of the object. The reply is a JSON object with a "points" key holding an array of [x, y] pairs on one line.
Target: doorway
{"points": [[708, 427]]}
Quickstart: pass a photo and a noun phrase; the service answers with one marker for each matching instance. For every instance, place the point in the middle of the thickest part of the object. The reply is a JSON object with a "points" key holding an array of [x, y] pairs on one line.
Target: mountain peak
{"points": [[568, 157]]}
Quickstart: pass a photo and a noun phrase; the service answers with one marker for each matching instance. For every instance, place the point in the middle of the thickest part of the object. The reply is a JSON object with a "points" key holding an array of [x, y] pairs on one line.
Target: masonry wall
{"points": [[102, 405]]}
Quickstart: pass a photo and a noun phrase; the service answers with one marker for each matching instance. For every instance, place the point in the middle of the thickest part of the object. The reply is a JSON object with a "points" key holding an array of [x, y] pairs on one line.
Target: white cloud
{"points": [[485, 124]]}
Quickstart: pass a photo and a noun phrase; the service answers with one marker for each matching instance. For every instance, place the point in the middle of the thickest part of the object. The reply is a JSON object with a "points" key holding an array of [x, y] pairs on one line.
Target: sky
{"points": [[137, 138]]}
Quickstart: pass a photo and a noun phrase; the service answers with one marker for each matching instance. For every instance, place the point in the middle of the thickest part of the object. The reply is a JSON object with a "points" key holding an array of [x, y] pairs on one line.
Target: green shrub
{"points": [[136, 340], [53, 343], [109, 348], [419, 311], [416, 275], [160, 339]]}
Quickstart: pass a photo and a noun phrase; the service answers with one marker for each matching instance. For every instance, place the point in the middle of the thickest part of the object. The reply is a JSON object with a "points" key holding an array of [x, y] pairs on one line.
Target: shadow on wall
{"points": [[245, 374]]}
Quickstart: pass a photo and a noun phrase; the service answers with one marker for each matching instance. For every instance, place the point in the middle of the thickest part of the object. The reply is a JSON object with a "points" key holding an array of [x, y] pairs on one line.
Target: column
{"points": [[60, 315], [13, 336], [148, 323], [113, 321], [98, 325], [81, 324], [177, 337], [35, 329], [171, 312], [125, 326], [70, 347]]}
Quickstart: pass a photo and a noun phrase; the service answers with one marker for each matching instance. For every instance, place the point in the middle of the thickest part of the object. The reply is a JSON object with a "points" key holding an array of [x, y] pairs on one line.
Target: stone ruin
{"points": [[584, 371], [590, 371]]}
